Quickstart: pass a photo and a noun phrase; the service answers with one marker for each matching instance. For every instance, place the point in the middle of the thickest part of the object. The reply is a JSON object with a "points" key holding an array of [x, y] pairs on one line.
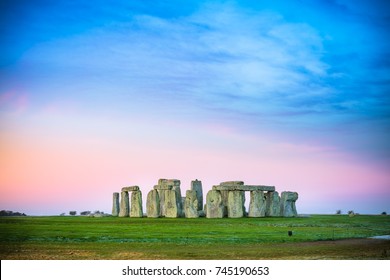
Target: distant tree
{"points": [[85, 213], [351, 213], [338, 212], [384, 213], [72, 213], [62, 214], [11, 213]]}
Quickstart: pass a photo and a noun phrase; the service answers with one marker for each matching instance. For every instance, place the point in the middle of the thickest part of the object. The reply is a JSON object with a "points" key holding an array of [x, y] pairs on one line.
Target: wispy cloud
{"points": [[222, 60]]}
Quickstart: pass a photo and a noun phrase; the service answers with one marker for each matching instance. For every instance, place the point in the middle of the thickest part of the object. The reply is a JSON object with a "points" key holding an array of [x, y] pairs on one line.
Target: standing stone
{"points": [[225, 196], [287, 204], [183, 202], [236, 201], [136, 205], [273, 204], [179, 200], [197, 187], [115, 204], [171, 209], [257, 204], [191, 204], [124, 206], [163, 185], [153, 204], [214, 206]]}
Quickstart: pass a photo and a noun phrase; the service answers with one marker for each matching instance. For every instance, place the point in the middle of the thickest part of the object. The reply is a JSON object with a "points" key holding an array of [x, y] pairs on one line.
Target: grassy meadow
{"points": [[314, 237]]}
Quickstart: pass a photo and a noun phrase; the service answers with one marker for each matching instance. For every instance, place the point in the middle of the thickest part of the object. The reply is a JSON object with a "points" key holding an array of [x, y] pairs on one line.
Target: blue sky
{"points": [[309, 75]]}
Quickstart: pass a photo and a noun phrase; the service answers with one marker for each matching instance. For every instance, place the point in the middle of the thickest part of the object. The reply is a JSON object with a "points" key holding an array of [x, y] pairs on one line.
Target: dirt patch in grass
{"points": [[339, 249]]}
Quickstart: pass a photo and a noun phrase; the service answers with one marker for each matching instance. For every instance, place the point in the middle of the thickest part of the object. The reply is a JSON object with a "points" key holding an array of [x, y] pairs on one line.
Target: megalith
{"points": [[287, 204], [130, 189], [124, 205], [272, 204], [171, 204], [191, 204], [161, 194], [257, 204], [232, 183], [214, 206], [115, 204], [179, 201], [167, 184], [136, 205], [153, 204], [225, 195], [236, 208], [197, 187]]}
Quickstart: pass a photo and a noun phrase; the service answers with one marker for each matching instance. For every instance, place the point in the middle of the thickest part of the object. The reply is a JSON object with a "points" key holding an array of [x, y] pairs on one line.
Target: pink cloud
{"points": [[14, 101]]}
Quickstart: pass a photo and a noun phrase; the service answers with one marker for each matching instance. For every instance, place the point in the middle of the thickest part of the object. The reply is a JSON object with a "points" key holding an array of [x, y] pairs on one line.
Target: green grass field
{"points": [[314, 237]]}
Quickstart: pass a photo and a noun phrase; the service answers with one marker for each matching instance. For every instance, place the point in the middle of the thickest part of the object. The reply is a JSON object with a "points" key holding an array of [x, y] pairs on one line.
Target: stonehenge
{"points": [[224, 200]]}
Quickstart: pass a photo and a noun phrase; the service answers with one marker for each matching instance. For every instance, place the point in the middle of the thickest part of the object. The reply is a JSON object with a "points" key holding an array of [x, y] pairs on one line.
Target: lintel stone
{"points": [[243, 188], [232, 183], [130, 189], [163, 187]]}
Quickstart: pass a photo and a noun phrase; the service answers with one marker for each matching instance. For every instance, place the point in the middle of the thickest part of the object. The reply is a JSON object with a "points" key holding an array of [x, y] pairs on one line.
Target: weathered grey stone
{"points": [[287, 204], [225, 195], [232, 183], [161, 195], [177, 189], [169, 182], [257, 204], [214, 206], [197, 187], [124, 205], [136, 205], [236, 208], [183, 202], [272, 204], [163, 187], [130, 189], [171, 208], [243, 188], [115, 204], [191, 204], [153, 204]]}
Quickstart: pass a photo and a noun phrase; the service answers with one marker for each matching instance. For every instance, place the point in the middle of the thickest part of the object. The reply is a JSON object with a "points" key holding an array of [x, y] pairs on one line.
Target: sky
{"points": [[98, 95]]}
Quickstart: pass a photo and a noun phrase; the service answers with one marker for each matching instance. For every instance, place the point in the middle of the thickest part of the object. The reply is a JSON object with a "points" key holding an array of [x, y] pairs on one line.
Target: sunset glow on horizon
{"points": [[95, 96]]}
